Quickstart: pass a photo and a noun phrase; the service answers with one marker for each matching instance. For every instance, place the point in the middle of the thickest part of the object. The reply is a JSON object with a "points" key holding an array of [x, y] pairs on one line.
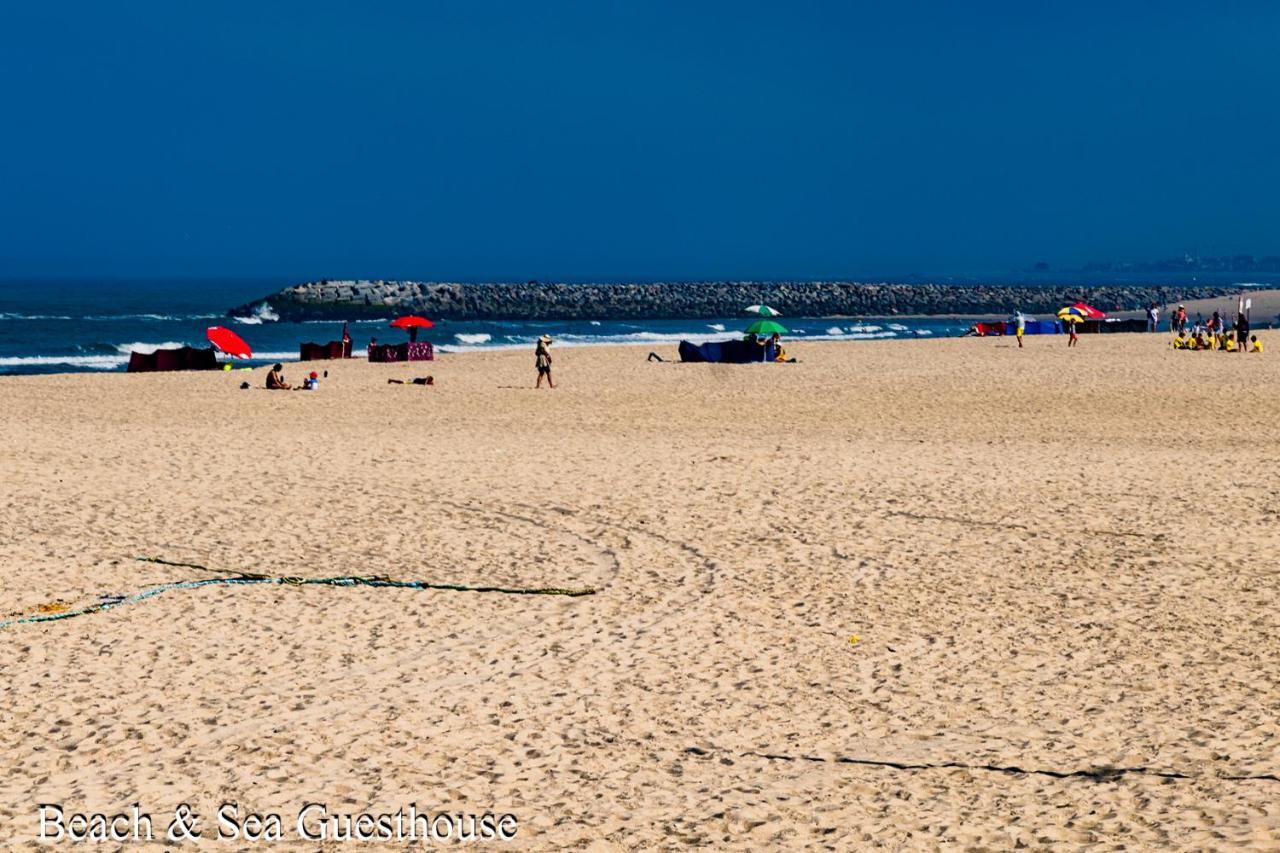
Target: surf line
{"points": [[237, 578]]}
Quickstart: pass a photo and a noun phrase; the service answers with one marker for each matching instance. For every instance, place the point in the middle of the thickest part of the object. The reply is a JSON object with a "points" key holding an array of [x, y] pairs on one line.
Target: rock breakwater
{"points": [[321, 300]]}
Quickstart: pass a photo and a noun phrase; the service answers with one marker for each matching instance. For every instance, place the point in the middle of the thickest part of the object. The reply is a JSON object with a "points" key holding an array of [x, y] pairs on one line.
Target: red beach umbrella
{"points": [[1089, 311], [228, 342], [411, 324]]}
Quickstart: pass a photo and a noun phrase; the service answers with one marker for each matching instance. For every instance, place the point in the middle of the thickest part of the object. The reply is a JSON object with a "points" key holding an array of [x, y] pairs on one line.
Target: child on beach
{"points": [[1255, 345], [1072, 336], [1019, 327]]}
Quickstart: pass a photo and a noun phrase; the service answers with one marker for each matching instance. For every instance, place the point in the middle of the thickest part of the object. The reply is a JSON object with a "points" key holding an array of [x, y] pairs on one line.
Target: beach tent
{"points": [[1034, 327], [1009, 327], [321, 352], [724, 352], [1088, 311], [181, 358], [330, 350]]}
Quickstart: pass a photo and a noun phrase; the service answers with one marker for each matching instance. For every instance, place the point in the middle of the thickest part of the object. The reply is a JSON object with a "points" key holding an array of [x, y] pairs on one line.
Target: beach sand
{"points": [[1059, 561]]}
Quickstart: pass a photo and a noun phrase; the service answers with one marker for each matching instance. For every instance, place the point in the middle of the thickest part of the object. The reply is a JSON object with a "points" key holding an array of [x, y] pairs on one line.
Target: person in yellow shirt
{"points": [[1255, 345]]}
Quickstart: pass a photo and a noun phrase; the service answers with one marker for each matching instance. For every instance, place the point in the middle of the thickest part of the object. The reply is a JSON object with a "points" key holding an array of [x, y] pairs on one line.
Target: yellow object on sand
{"points": [[53, 607], [853, 641]]}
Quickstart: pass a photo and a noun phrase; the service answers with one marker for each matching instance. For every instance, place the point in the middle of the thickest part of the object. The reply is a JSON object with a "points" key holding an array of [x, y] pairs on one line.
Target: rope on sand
{"points": [[236, 578]]}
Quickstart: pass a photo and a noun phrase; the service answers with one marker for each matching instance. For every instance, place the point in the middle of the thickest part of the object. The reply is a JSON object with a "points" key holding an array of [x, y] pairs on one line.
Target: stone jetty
{"points": [[320, 300]]}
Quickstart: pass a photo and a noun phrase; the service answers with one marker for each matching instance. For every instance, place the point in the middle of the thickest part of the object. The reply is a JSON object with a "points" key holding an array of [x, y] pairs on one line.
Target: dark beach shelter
{"points": [[412, 324]]}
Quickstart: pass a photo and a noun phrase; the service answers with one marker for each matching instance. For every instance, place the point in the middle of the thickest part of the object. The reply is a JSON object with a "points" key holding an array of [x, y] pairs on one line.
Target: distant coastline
{"points": [[366, 299]]}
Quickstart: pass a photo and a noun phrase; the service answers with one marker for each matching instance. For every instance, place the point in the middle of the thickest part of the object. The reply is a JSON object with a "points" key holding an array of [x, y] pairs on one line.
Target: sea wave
{"points": [[719, 327], [263, 313], [473, 339], [148, 348], [88, 362], [108, 318]]}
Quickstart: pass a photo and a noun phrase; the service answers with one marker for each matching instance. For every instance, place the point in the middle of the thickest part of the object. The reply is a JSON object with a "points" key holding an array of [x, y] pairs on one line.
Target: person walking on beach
{"points": [[1072, 337], [542, 359], [1019, 326], [1180, 319]]}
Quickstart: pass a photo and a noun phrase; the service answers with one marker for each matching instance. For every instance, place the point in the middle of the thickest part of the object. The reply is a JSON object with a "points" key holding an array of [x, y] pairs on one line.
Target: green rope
{"points": [[377, 581], [235, 578]]}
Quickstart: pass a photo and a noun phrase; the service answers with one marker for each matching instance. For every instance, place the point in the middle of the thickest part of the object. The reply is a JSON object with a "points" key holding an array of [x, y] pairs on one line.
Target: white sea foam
{"points": [[473, 339], [897, 327], [263, 313], [90, 362], [719, 327], [148, 348], [864, 328], [835, 330]]}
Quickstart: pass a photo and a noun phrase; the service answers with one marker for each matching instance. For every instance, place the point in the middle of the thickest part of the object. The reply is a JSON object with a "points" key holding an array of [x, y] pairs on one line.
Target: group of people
{"points": [[773, 350], [1212, 334], [275, 380]]}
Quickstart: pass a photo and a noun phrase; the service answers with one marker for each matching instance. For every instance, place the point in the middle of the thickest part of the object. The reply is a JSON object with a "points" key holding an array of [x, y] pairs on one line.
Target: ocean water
{"points": [[69, 326]]}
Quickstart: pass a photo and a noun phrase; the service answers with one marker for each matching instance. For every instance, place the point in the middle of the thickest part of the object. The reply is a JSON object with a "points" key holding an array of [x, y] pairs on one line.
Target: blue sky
{"points": [[610, 140]]}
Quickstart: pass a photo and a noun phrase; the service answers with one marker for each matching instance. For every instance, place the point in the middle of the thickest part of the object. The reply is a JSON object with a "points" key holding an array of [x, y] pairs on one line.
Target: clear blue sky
{"points": [[611, 140]]}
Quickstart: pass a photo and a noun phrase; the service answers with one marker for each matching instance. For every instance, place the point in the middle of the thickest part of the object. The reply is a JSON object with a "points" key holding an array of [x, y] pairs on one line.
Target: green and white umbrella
{"points": [[765, 327], [763, 311]]}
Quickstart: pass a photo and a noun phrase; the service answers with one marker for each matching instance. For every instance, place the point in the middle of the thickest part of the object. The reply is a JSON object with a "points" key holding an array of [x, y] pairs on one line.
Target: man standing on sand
{"points": [[1242, 330], [542, 359], [1153, 318], [1019, 326]]}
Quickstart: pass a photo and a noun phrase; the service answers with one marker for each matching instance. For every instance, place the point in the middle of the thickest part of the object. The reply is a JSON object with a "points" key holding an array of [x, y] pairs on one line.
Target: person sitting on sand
{"points": [[1255, 345], [542, 360], [779, 354], [421, 380], [275, 379]]}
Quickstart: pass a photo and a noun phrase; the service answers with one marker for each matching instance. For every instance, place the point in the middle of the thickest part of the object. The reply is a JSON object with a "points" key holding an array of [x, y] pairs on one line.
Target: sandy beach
{"points": [[919, 594]]}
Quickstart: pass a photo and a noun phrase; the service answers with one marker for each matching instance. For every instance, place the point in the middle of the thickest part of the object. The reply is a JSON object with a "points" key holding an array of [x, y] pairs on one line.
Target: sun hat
{"points": [[546, 339]]}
